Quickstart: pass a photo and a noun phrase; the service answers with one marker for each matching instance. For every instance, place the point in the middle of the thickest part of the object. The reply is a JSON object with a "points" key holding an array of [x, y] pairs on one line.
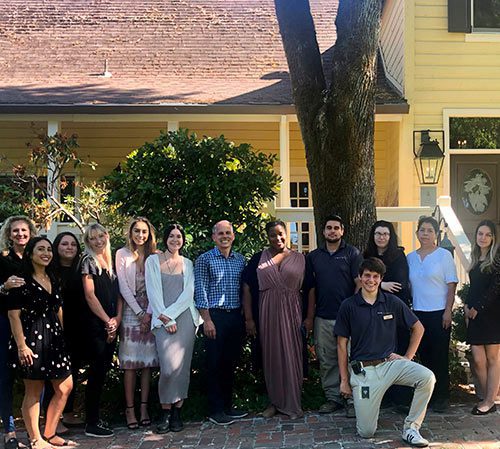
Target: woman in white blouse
{"points": [[170, 289], [433, 280]]}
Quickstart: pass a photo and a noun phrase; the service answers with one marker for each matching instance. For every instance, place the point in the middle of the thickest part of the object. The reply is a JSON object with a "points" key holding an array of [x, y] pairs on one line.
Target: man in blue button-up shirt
{"points": [[217, 296]]}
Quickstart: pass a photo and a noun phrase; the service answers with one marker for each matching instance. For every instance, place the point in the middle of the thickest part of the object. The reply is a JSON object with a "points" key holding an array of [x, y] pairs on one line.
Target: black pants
{"points": [[100, 357], [222, 354], [6, 376], [434, 351]]}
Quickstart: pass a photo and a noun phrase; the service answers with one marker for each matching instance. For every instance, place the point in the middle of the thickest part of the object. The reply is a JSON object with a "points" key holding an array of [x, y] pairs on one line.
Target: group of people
{"points": [[61, 310]]}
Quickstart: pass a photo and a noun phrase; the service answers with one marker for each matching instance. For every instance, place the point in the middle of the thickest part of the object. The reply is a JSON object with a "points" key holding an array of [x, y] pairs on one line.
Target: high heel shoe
{"points": [[132, 425], [145, 422]]}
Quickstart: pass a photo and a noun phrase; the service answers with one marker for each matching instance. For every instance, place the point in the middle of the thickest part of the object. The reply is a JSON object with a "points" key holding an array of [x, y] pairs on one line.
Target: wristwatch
{"points": [[3, 290]]}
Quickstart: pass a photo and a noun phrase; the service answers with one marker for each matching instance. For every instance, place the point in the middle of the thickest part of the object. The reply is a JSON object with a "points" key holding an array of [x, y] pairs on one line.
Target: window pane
{"points": [[293, 203], [475, 132], [293, 190], [486, 14], [304, 189], [305, 239], [303, 203], [305, 227]]}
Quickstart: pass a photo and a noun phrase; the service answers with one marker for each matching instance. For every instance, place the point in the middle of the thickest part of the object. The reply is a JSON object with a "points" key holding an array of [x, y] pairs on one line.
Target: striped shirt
{"points": [[217, 280]]}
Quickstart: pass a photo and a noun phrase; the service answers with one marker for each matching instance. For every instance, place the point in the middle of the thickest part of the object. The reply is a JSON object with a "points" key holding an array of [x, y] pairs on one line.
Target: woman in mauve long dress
{"points": [[280, 274]]}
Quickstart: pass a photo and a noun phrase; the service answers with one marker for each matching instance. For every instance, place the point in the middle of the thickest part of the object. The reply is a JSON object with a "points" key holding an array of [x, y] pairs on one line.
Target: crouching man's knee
{"points": [[428, 380], [366, 431]]}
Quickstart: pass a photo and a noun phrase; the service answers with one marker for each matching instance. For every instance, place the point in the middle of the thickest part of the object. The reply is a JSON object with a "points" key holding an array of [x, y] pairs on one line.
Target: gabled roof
{"points": [[159, 53]]}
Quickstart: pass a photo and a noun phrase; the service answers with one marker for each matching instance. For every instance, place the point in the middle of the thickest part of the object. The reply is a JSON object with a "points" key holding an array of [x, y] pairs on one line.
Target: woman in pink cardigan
{"points": [[137, 344]]}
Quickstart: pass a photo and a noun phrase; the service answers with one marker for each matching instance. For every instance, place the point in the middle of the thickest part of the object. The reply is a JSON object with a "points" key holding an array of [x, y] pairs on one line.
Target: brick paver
{"points": [[456, 429]]}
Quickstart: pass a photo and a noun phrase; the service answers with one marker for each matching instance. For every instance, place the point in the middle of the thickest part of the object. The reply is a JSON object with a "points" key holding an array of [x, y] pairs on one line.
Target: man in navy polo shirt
{"points": [[331, 276], [369, 319]]}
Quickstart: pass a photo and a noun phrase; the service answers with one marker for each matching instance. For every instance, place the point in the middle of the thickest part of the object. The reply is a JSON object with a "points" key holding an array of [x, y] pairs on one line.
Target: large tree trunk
{"points": [[336, 121]]}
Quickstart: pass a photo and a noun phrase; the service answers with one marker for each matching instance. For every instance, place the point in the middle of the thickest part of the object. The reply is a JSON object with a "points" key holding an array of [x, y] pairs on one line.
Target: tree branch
{"points": [[303, 55]]}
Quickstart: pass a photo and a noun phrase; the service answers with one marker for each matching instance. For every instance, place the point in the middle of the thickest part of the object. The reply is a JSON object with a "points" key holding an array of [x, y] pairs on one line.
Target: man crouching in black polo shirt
{"points": [[369, 319]]}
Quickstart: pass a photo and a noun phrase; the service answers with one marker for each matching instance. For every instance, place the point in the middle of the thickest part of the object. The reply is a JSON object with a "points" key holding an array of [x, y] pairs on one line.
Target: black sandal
{"points": [[65, 443], [146, 421], [134, 425]]}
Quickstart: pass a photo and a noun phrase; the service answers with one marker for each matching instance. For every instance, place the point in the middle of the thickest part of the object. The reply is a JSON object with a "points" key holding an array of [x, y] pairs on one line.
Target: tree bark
{"points": [[337, 122]]}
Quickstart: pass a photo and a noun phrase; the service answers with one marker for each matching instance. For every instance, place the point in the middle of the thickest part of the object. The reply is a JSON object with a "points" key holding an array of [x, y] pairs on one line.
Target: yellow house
{"points": [[117, 72]]}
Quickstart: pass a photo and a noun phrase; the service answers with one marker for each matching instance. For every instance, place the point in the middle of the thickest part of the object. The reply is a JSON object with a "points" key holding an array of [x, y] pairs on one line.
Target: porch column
{"points": [[53, 127], [172, 126], [284, 198]]}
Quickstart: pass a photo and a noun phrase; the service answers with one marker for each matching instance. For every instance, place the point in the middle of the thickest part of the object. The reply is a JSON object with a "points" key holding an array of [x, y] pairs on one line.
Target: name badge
{"points": [[389, 316]]}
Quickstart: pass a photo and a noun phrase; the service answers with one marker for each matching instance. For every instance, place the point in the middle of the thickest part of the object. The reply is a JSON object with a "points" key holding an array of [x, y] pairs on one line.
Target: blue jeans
{"points": [[6, 378]]}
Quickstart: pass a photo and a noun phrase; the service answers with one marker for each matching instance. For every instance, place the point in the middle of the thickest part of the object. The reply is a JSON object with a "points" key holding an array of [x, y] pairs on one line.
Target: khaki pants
{"points": [[325, 344], [368, 390]]}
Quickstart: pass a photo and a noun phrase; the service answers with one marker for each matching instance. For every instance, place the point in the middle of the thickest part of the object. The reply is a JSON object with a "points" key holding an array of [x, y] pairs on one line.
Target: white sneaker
{"points": [[413, 438]]}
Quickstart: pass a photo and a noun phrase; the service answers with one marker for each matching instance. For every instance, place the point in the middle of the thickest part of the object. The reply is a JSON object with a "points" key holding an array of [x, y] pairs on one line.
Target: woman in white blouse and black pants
{"points": [[433, 280], [170, 289]]}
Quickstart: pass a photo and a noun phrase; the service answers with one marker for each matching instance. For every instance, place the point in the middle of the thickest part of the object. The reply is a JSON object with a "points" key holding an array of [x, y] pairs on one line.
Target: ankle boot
{"points": [[176, 424], [164, 425]]}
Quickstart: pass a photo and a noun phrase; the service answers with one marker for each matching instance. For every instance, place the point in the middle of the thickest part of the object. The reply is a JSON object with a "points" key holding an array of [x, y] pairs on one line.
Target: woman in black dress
{"points": [[14, 236], [100, 287], [35, 316], [66, 262], [383, 244], [482, 312]]}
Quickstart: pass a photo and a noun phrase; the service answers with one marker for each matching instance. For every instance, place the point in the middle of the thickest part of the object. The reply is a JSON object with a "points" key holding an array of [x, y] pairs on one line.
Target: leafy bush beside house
{"points": [[196, 182]]}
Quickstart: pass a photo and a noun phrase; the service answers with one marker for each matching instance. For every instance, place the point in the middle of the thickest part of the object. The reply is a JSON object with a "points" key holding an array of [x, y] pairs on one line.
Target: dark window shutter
{"points": [[459, 16]]}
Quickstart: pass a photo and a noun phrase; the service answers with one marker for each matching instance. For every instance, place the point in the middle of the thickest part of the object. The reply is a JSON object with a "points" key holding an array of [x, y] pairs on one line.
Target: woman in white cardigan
{"points": [[170, 288], [137, 349]]}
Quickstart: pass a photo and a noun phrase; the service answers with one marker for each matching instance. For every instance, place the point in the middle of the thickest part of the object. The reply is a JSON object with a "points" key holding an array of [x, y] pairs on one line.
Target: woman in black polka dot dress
{"points": [[38, 349]]}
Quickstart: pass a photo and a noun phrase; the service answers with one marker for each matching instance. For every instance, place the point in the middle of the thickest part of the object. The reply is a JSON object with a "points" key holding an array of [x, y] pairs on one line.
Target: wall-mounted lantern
{"points": [[428, 156]]}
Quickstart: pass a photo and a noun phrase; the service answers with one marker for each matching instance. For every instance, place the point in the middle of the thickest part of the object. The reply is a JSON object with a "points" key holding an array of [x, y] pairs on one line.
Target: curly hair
{"points": [[5, 241]]}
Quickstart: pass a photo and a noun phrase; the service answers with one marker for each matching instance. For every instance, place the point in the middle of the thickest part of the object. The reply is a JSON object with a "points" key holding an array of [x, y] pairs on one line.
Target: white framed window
{"points": [[301, 232]]}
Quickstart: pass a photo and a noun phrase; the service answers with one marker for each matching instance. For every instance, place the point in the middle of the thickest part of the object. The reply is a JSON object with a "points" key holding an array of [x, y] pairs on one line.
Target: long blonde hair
{"points": [[5, 242], [149, 246], [493, 251], [89, 252]]}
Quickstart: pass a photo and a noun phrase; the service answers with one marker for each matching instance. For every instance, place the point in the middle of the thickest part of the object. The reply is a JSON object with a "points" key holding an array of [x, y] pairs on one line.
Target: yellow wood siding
{"points": [[449, 72], [263, 137], [392, 41], [13, 139], [109, 143]]}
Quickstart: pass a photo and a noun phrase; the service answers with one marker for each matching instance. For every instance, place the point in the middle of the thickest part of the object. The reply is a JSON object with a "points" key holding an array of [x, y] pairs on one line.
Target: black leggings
{"points": [[100, 357]]}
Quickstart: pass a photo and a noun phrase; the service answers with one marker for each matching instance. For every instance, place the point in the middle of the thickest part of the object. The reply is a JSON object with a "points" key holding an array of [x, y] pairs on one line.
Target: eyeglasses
{"points": [[382, 234]]}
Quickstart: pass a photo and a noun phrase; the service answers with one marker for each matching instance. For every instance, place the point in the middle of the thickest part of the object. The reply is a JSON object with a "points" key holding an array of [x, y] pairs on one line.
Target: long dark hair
{"points": [[392, 250], [56, 261], [27, 264]]}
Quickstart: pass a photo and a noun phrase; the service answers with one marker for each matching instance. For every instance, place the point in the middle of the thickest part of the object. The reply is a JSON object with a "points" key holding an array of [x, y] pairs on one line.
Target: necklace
{"points": [[44, 281], [171, 264]]}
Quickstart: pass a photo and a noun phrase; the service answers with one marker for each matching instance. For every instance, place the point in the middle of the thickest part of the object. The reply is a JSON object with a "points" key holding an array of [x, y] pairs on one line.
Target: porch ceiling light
{"points": [[428, 157]]}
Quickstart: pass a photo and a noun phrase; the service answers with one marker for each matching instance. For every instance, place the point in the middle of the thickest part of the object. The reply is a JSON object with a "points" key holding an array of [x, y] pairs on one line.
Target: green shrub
{"points": [[196, 182]]}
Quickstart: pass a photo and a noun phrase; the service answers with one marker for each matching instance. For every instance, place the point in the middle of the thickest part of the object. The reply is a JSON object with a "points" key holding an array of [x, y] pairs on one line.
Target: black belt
{"points": [[373, 362], [217, 309]]}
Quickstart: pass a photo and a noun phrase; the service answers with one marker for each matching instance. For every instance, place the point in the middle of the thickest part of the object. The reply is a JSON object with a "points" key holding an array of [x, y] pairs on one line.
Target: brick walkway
{"points": [[456, 429]]}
